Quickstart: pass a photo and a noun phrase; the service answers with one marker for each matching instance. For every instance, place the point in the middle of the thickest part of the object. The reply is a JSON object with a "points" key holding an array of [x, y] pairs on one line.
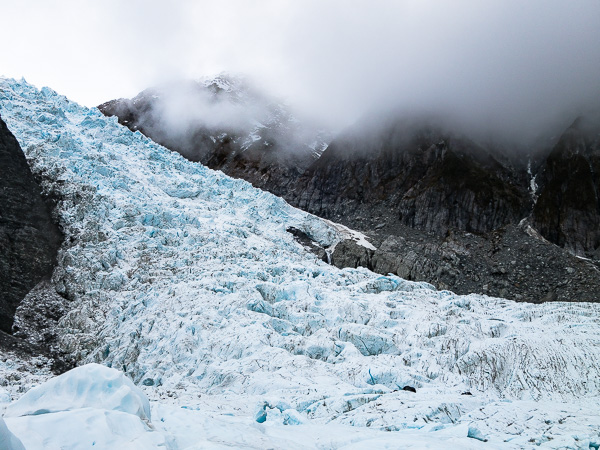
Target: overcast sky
{"points": [[495, 60]]}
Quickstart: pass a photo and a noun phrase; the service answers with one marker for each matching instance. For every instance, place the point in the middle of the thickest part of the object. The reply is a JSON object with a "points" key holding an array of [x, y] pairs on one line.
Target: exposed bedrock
{"points": [[512, 262], [29, 239], [424, 178], [567, 212]]}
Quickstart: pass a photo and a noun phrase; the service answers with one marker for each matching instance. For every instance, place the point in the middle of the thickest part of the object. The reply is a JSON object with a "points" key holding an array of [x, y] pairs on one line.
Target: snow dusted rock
{"points": [[188, 281], [8, 441], [89, 386]]}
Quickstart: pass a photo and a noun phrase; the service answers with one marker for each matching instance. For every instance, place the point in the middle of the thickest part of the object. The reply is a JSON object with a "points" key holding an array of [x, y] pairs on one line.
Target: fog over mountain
{"points": [[300, 224], [505, 67]]}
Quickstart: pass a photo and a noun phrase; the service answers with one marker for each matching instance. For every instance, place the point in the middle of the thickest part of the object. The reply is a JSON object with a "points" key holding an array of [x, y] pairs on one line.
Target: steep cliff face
{"points": [[419, 176], [567, 212], [29, 239]]}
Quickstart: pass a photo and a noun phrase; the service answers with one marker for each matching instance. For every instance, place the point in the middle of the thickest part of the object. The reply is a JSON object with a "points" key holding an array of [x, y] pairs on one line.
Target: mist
{"points": [[500, 67], [199, 118], [512, 69]]}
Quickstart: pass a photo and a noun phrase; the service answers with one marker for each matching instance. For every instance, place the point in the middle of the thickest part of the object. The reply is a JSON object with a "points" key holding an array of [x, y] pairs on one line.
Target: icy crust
{"points": [[90, 406], [78, 423], [8, 441], [89, 386], [187, 280]]}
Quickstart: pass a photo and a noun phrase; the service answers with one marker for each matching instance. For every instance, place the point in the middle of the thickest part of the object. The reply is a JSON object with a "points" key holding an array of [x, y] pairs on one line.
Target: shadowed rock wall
{"points": [[29, 239]]}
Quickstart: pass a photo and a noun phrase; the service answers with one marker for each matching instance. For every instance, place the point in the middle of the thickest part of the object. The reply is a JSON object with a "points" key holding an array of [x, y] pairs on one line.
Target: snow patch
{"points": [[347, 233]]}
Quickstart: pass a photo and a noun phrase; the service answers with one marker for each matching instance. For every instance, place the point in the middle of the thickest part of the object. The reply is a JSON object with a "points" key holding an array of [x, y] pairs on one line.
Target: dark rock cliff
{"points": [[413, 175], [567, 212], [29, 239]]}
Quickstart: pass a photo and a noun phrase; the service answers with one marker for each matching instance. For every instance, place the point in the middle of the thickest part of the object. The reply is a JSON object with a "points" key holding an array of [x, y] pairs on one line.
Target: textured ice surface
{"points": [[89, 386], [86, 428], [89, 406], [8, 441], [186, 280], [75, 423]]}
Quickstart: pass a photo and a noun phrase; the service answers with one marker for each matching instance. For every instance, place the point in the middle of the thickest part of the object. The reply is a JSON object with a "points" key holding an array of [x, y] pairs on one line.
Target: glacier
{"points": [[187, 281]]}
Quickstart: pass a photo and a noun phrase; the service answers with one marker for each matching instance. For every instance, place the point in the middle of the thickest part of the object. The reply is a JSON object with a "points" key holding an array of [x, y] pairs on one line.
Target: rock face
{"points": [[29, 239], [511, 262], [567, 212], [416, 175], [444, 210], [348, 253]]}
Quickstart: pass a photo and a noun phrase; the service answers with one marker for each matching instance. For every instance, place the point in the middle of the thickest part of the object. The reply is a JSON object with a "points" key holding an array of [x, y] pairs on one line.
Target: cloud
{"points": [[508, 65]]}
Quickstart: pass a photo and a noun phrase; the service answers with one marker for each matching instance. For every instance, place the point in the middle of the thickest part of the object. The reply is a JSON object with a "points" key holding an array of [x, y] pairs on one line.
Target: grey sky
{"points": [[497, 61]]}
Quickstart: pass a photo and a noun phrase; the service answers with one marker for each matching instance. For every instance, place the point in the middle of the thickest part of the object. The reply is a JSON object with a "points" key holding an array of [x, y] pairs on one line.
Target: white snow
{"points": [[250, 139], [186, 280], [347, 233], [8, 441], [533, 186], [92, 385]]}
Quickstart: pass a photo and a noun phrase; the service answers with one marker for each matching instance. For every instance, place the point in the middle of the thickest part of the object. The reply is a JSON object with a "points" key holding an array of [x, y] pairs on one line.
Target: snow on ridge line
{"points": [[187, 280]]}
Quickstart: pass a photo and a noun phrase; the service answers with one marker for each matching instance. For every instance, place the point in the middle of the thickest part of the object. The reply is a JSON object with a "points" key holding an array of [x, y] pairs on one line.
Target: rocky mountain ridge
{"points": [[435, 202], [225, 124]]}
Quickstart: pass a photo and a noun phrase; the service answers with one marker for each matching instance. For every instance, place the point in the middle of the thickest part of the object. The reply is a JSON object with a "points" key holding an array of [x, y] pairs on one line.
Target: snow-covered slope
{"points": [[187, 280]]}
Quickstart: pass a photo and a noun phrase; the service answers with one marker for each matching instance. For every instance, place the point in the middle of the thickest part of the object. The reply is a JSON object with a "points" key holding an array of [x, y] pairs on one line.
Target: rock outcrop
{"points": [[512, 262], [567, 212], [29, 238]]}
